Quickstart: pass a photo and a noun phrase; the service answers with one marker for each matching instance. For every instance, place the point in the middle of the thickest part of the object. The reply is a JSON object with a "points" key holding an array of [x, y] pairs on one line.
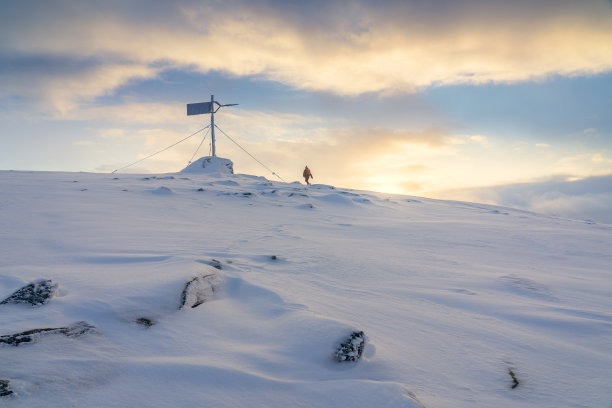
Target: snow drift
{"points": [[210, 165]]}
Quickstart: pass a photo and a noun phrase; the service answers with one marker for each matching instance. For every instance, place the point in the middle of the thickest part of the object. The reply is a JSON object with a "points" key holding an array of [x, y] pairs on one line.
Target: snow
{"points": [[210, 165], [454, 298]]}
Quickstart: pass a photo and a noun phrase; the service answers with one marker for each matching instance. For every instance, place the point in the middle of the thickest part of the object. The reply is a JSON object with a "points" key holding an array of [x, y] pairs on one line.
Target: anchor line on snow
{"points": [[160, 151], [253, 157]]}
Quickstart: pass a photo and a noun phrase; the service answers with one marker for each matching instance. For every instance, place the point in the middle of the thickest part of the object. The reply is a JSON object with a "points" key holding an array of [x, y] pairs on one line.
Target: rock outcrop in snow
{"points": [[145, 321], [32, 336], [210, 165], [515, 381], [36, 293], [213, 262], [352, 348], [5, 388], [200, 289]]}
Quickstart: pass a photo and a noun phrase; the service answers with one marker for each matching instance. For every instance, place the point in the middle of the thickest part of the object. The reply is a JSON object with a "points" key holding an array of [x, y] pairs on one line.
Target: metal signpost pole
{"points": [[212, 125]]}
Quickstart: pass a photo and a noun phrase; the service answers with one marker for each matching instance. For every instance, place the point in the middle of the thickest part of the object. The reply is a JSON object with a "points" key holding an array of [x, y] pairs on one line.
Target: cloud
{"points": [[414, 168], [565, 196], [411, 186], [479, 139], [60, 85], [347, 48], [384, 140], [591, 207], [593, 162], [600, 158]]}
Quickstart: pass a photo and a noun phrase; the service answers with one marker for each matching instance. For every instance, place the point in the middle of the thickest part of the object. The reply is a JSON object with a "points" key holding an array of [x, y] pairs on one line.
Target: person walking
{"points": [[307, 175]]}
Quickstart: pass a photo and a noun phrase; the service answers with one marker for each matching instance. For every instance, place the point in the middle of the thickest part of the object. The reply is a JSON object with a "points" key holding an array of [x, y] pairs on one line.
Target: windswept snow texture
{"points": [[464, 305]]}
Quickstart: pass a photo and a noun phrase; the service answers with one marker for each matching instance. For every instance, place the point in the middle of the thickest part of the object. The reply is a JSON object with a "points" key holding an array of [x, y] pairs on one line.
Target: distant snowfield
{"points": [[452, 296]]}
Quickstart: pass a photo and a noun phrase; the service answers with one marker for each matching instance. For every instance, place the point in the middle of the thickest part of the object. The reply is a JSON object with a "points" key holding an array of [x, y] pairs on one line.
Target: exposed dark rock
{"points": [[5, 388], [213, 262], [227, 193], [32, 336], [352, 348], [145, 321], [36, 293], [201, 189], [158, 178], [199, 290], [274, 257], [515, 381], [77, 329]]}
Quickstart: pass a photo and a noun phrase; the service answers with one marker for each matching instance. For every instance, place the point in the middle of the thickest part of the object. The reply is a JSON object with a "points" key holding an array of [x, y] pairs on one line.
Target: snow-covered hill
{"points": [[462, 305]]}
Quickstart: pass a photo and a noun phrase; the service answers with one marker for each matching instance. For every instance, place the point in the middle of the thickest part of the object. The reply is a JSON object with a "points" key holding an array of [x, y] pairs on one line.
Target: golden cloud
{"points": [[359, 49], [64, 91]]}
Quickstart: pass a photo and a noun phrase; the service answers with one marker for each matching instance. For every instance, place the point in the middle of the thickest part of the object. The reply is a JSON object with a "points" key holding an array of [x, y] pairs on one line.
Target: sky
{"points": [[446, 99]]}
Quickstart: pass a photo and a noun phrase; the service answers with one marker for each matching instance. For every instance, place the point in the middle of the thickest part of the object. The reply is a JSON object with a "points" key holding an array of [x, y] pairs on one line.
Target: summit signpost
{"points": [[202, 108], [207, 107]]}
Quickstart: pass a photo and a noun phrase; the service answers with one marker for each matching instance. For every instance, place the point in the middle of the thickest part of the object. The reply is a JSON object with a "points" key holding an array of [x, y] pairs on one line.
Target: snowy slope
{"points": [[452, 296]]}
